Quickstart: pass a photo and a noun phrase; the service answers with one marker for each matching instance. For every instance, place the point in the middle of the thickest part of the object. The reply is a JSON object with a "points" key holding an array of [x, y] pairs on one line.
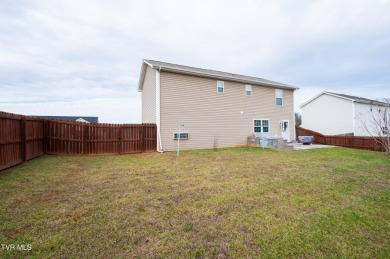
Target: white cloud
{"points": [[68, 53]]}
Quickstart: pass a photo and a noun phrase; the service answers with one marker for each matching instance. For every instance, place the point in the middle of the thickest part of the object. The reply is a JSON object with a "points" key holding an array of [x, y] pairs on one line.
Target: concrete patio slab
{"points": [[300, 146]]}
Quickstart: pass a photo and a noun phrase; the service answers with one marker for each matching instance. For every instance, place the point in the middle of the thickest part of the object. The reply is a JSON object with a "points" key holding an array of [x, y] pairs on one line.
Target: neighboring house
{"points": [[340, 114], [217, 109], [71, 118]]}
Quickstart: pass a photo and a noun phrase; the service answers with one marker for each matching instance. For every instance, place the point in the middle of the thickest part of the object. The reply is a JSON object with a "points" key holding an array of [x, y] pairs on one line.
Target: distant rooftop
{"points": [[70, 118], [213, 74]]}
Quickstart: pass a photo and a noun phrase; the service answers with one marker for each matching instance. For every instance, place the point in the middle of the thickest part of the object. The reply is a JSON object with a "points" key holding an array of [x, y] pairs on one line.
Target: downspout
{"points": [[295, 123], [353, 118], [158, 111]]}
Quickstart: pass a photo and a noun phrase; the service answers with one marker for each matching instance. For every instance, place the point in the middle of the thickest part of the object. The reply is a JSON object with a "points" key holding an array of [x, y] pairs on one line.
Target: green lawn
{"points": [[232, 203]]}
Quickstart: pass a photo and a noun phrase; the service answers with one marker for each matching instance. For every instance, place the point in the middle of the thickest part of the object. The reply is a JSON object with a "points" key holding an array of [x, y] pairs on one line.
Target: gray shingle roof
{"points": [[216, 74], [360, 99], [350, 97]]}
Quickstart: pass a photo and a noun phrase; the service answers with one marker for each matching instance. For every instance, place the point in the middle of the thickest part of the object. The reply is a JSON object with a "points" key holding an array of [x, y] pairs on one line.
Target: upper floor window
{"points": [[279, 97], [220, 87], [385, 130], [248, 90]]}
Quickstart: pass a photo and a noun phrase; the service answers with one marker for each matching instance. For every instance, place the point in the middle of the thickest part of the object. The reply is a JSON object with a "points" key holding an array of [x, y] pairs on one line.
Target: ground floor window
{"points": [[260, 125]]}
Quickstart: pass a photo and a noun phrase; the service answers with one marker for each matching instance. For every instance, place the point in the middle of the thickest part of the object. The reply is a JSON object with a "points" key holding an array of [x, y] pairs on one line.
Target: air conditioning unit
{"points": [[183, 135]]}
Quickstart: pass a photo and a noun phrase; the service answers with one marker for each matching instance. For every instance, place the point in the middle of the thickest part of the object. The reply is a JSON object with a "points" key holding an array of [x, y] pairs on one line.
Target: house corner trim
{"points": [[158, 111], [353, 117]]}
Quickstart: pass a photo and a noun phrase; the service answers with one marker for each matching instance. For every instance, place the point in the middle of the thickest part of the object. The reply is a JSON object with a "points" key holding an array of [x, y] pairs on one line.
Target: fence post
{"points": [[120, 139], [23, 138], [85, 140], [143, 137], [45, 144]]}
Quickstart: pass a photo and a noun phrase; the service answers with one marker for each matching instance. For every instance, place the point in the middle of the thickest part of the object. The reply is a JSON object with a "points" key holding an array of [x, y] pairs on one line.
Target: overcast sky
{"points": [[84, 57]]}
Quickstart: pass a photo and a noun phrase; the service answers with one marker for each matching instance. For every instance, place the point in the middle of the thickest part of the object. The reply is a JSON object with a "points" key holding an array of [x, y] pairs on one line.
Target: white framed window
{"points": [[279, 97], [183, 135], [385, 130], [220, 87], [260, 125], [248, 90]]}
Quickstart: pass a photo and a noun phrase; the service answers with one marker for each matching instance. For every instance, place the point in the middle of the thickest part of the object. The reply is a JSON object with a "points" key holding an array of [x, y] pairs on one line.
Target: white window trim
{"points": [[276, 90], [221, 86], [250, 90], [269, 127], [188, 134]]}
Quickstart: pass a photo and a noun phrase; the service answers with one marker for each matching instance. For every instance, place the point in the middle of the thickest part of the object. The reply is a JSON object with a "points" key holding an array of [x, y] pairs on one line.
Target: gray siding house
{"points": [[215, 108]]}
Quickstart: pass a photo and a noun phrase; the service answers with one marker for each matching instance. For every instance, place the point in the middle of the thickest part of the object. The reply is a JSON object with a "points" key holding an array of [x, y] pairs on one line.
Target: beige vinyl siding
{"points": [[149, 96], [329, 115], [206, 114]]}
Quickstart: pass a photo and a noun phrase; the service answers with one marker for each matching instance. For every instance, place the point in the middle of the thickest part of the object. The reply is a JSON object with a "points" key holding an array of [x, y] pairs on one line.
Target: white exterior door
{"points": [[285, 128]]}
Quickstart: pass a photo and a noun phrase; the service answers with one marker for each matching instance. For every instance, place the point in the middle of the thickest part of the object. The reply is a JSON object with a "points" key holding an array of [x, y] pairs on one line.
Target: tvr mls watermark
{"points": [[16, 247]]}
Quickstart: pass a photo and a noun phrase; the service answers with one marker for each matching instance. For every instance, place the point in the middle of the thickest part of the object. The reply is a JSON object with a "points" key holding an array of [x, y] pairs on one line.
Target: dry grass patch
{"points": [[214, 204]]}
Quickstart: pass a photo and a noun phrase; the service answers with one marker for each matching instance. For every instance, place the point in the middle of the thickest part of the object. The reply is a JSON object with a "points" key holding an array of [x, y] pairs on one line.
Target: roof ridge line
{"points": [[217, 74]]}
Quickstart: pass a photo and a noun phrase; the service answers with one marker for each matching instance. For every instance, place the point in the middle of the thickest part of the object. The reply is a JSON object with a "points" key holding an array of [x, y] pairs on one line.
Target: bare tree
{"points": [[298, 119], [377, 124]]}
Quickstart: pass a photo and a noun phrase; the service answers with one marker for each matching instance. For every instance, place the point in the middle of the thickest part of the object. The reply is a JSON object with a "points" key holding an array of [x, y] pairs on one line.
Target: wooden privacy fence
{"points": [[368, 143], [23, 138], [64, 137]]}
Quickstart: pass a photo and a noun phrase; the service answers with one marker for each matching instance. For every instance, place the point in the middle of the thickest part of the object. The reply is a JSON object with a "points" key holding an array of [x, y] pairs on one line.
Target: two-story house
{"points": [[342, 114], [213, 108]]}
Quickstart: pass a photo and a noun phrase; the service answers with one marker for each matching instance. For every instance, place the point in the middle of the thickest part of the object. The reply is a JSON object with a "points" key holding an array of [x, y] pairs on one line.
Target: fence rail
{"points": [[23, 138], [367, 143]]}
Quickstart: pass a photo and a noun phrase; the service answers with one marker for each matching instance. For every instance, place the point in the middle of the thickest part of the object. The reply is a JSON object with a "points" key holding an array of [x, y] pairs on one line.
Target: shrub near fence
{"points": [[23, 138], [368, 143]]}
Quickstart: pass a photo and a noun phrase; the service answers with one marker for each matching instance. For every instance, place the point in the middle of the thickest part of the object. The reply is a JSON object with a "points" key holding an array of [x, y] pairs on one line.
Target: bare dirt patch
{"points": [[17, 231], [51, 196]]}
